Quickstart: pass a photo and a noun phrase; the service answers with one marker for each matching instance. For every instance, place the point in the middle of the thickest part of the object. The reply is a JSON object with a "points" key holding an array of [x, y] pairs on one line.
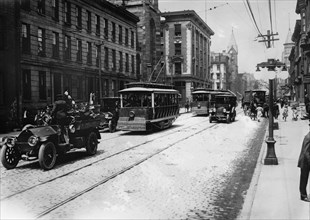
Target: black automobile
{"points": [[47, 142], [223, 108], [109, 107]]}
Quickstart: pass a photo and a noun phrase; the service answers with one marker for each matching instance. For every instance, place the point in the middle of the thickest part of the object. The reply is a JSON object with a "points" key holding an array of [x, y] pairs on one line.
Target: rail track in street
{"points": [[115, 174]]}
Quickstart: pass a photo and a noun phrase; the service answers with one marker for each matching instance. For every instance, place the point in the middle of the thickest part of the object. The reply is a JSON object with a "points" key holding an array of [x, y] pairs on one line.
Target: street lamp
{"points": [[271, 67]]}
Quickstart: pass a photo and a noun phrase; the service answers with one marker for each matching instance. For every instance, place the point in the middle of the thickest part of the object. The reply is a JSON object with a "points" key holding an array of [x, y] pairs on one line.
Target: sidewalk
{"points": [[274, 190]]}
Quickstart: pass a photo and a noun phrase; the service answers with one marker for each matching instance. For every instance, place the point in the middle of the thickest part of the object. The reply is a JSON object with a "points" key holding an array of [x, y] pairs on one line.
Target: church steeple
{"points": [[289, 37], [232, 43]]}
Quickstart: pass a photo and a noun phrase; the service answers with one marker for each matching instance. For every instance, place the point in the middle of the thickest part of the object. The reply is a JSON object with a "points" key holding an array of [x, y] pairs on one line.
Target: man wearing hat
{"points": [[304, 165], [59, 114]]}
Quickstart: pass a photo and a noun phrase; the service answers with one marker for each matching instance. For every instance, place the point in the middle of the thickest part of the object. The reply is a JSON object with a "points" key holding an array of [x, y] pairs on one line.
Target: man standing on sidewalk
{"points": [[304, 165]]}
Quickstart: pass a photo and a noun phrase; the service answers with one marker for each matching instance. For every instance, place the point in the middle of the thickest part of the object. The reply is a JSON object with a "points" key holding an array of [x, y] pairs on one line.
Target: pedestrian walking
{"points": [[285, 112], [187, 105], [259, 110], [304, 165]]}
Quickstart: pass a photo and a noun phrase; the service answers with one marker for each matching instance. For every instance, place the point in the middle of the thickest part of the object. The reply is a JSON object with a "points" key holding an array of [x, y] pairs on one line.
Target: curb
{"points": [[251, 192]]}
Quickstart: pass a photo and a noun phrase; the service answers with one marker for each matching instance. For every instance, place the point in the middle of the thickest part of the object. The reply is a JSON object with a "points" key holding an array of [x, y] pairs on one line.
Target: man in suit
{"points": [[304, 165]]}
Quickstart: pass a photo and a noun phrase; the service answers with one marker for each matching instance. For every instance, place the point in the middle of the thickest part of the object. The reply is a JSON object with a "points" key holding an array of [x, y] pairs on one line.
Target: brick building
{"points": [[47, 46], [186, 51]]}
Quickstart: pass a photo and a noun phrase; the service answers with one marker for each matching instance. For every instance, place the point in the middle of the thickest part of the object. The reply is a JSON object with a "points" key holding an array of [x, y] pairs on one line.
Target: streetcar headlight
{"points": [[199, 106], [72, 128], [224, 110], [33, 140]]}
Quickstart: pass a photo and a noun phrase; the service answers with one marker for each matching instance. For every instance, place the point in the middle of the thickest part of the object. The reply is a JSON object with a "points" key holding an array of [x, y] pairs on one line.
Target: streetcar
{"points": [[147, 106], [202, 99], [257, 97]]}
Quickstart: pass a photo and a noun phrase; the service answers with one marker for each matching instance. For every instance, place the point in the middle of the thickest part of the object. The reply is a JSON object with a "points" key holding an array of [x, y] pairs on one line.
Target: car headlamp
{"points": [[72, 128], [33, 140], [224, 110], [131, 114]]}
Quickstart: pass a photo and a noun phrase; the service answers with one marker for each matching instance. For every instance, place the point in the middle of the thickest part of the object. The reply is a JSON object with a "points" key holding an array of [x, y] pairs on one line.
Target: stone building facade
{"points": [[48, 46], [148, 31], [186, 51], [219, 70]]}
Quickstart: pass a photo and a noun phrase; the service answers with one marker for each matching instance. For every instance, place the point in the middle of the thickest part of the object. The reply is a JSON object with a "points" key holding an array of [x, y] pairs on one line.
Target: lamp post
{"points": [[270, 67]]}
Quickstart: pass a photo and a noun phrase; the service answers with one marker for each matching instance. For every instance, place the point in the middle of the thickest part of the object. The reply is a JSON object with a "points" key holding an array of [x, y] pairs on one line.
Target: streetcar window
{"points": [[137, 100]]}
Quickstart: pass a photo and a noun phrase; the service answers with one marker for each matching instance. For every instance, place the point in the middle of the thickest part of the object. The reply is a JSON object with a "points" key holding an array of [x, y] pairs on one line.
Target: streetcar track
{"points": [[94, 162], [110, 156], [47, 211]]}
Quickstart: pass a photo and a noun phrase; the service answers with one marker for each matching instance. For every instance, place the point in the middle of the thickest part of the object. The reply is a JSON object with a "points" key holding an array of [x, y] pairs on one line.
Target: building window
{"points": [[218, 76], [121, 61], [98, 54], [113, 87], [177, 30], [218, 67], [79, 50], [177, 67], [41, 42], [303, 21], [55, 45], [67, 48], [113, 31], [97, 25], [67, 7], [42, 85], [132, 63], [106, 28], [120, 34], [55, 10], [106, 58], [126, 37], [127, 63], [26, 38], [177, 49], [218, 86], [106, 87], [41, 7], [132, 39], [88, 21], [26, 84], [78, 17], [89, 53], [113, 60], [25, 5]]}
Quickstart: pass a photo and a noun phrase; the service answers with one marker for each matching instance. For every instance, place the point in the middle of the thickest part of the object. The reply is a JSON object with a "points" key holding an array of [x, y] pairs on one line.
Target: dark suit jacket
{"points": [[303, 161]]}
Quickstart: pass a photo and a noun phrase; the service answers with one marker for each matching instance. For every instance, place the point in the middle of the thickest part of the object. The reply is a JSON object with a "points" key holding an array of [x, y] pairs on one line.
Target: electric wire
{"points": [[270, 18]]}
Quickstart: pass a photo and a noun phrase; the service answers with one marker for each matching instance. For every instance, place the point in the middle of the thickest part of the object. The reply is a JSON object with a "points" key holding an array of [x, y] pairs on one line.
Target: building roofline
{"points": [[188, 14]]}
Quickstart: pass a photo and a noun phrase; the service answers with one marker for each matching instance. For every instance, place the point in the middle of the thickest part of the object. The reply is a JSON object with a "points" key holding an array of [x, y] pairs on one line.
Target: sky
{"points": [[232, 15]]}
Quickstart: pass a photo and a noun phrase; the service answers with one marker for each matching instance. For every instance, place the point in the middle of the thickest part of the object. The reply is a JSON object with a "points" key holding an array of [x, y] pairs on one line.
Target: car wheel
{"points": [[9, 157], [92, 144], [47, 156]]}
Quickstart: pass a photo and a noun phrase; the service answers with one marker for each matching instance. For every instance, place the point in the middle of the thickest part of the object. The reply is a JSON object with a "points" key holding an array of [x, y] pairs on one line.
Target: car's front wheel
{"points": [[112, 126], [47, 156], [9, 157], [91, 144]]}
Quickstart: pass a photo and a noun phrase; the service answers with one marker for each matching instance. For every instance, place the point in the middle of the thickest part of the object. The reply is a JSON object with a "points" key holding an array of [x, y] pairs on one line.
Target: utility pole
{"points": [[269, 38]]}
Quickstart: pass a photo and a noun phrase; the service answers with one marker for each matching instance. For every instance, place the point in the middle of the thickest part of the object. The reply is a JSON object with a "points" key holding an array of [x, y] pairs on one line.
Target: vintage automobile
{"points": [[47, 142], [224, 107], [109, 107]]}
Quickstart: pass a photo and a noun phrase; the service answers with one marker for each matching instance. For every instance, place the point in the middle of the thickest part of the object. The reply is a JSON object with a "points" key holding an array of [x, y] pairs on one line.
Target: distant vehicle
{"points": [[147, 106], [47, 141], [109, 110], [224, 107], [202, 98], [253, 96]]}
